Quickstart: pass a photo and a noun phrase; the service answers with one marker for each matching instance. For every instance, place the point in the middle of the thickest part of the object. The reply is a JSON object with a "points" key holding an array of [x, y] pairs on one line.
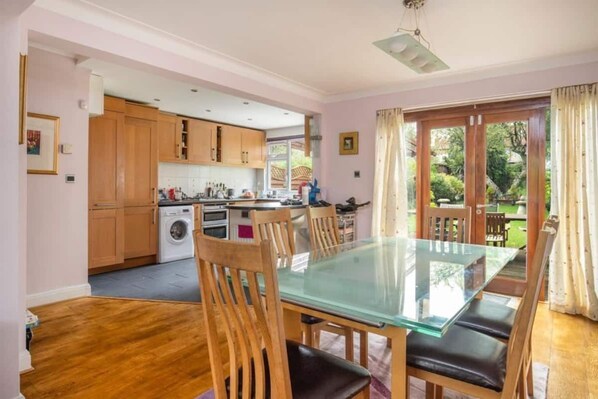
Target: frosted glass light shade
{"points": [[413, 53]]}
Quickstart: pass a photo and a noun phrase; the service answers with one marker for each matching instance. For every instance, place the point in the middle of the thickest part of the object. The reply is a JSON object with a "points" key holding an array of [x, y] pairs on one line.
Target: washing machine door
{"points": [[179, 231]]}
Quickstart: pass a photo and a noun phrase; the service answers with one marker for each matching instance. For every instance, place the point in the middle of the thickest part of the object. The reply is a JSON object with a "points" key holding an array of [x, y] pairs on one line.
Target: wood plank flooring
{"points": [[118, 348]]}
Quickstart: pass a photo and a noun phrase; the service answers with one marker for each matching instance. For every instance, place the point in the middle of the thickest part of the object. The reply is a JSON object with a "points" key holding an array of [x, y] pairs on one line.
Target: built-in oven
{"points": [[214, 220]]}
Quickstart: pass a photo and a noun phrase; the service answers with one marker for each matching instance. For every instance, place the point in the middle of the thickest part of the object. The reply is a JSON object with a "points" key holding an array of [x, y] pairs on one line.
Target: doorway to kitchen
{"points": [[492, 158]]}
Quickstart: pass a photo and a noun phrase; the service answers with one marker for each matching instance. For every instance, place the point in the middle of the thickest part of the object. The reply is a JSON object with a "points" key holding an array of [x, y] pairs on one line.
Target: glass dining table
{"points": [[388, 286]]}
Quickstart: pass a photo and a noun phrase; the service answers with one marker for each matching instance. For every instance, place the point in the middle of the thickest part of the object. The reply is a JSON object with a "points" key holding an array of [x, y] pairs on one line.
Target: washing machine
{"points": [[176, 233]]}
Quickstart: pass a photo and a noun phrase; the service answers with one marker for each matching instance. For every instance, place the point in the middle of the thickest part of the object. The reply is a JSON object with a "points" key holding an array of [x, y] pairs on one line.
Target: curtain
{"points": [[574, 175], [390, 180]]}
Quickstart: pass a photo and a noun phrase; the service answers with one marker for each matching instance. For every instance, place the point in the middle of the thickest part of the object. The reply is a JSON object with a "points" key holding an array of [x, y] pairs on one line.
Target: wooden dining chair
{"points": [[497, 320], [497, 229], [324, 237], [255, 360], [277, 226], [447, 224], [476, 364]]}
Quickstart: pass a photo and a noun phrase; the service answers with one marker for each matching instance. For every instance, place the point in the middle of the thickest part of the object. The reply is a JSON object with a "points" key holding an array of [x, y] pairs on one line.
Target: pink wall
{"points": [[91, 41], [360, 115], [57, 211], [10, 313]]}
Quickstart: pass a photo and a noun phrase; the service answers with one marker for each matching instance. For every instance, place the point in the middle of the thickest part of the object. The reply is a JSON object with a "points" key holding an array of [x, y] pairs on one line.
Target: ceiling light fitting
{"points": [[409, 45]]}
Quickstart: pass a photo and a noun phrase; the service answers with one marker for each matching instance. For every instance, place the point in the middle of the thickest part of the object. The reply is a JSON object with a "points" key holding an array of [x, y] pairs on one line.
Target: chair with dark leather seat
{"points": [[276, 226], [478, 364], [447, 224], [497, 320], [252, 359]]}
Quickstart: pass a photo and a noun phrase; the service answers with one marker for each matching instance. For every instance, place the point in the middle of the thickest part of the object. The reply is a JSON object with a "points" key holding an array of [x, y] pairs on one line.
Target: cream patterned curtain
{"points": [[574, 150], [390, 181]]}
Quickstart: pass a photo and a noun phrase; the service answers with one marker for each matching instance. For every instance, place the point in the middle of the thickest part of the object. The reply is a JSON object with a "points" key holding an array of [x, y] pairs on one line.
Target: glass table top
{"points": [[417, 284]]}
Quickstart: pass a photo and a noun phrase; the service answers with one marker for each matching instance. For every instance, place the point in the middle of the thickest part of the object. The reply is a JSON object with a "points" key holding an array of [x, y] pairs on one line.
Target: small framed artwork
{"points": [[22, 97], [42, 144], [348, 143]]}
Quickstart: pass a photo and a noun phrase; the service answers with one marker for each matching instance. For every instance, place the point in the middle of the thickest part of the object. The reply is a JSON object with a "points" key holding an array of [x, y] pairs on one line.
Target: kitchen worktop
{"points": [[192, 201], [262, 206]]}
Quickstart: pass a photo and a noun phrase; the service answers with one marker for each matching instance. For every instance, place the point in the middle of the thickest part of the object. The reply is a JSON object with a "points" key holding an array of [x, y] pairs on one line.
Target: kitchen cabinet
{"points": [[141, 231], [170, 138], [242, 146], [202, 146], [232, 152], [196, 216], [253, 144], [106, 161], [141, 161], [106, 237]]}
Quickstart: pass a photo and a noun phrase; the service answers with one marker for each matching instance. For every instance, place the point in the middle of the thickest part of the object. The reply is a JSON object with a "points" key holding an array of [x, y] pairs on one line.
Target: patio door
{"points": [[491, 158], [509, 189]]}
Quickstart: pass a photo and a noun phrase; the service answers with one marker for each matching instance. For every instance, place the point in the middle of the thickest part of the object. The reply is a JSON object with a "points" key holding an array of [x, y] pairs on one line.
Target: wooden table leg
{"points": [[292, 324], [398, 363]]}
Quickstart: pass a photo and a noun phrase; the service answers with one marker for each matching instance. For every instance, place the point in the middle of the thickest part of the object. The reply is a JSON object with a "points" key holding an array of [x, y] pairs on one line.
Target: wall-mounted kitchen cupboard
{"points": [[243, 147], [123, 178], [200, 142]]}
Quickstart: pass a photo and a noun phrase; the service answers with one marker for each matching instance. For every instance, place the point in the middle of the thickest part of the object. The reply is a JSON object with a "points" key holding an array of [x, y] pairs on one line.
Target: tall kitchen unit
{"points": [[123, 168]]}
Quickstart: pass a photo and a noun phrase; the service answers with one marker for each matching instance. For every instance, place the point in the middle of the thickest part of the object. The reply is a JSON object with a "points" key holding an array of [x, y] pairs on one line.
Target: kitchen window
{"points": [[287, 165]]}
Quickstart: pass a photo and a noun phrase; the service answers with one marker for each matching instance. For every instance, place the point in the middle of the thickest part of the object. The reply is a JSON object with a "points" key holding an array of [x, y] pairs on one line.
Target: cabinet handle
{"points": [[153, 195], [111, 204], [179, 151], [153, 215], [213, 154]]}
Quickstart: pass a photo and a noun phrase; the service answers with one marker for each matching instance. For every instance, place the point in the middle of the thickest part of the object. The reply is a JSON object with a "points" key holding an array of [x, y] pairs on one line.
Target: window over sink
{"points": [[287, 166]]}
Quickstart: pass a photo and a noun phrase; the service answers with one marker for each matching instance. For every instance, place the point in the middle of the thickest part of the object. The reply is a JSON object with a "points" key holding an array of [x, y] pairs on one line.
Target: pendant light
{"points": [[410, 47]]}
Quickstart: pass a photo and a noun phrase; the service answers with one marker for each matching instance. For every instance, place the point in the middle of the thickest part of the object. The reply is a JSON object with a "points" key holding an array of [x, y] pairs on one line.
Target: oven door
{"points": [[214, 216], [217, 231]]}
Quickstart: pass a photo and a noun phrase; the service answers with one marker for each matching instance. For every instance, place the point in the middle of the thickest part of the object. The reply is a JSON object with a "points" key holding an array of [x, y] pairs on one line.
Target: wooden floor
{"points": [[115, 348]]}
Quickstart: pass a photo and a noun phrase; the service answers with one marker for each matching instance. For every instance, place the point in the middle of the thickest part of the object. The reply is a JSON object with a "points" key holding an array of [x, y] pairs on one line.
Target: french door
{"points": [[490, 158]]}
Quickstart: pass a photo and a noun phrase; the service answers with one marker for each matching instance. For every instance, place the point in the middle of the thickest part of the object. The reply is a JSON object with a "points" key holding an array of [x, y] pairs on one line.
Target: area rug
{"points": [[379, 366]]}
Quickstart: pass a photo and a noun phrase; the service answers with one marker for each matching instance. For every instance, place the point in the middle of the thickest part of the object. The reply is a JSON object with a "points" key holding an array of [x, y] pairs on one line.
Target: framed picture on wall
{"points": [[348, 143], [42, 144], [22, 97]]}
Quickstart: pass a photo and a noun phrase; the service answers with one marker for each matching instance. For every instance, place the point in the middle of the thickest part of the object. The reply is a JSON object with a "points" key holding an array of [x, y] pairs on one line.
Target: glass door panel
{"points": [[445, 175], [506, 191], [503, 191]]}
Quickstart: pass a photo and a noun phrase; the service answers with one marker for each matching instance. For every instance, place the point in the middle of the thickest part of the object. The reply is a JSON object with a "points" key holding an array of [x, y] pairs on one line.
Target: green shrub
{"points": [[446, 186]]}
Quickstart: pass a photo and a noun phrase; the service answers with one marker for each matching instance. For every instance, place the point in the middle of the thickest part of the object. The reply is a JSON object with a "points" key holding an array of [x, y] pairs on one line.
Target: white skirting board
{"points": [[25, 361], [60, 294]]}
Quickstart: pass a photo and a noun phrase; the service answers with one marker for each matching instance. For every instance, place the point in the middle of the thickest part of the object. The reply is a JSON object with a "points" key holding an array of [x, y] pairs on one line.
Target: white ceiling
{"points": [[177, 97], [327, 45]]}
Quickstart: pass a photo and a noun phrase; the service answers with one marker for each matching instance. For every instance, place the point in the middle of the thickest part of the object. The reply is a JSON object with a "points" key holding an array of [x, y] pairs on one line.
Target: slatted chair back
{"points": [[495, 223], [228, 274], [323, 228], [447, 224], [275, 226], [524, 319]]}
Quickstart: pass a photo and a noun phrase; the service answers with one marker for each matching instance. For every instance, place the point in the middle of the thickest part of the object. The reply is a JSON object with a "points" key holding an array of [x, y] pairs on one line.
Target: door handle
{"points": [[111, 204], [482, 206]]}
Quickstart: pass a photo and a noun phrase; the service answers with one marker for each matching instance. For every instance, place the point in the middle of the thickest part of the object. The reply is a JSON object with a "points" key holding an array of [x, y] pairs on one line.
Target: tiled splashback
{"points": [[193, 178]]}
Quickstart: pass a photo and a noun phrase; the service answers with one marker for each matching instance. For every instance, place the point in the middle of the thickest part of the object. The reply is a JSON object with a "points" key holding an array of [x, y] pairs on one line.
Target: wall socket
{"points": [[357, 174]]}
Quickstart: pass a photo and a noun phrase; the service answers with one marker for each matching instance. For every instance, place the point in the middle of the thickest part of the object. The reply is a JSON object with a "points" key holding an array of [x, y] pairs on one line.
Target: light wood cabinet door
{"points": [[106, 161], [253, 142], [196, 216], [141, 231], [201, 147], [231, 145], [106, 238], [169, 138], [141, 162]]}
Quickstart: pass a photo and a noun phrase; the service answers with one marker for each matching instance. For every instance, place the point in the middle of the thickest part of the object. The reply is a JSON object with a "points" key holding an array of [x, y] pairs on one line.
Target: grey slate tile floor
{"points": [[175, 281]]}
